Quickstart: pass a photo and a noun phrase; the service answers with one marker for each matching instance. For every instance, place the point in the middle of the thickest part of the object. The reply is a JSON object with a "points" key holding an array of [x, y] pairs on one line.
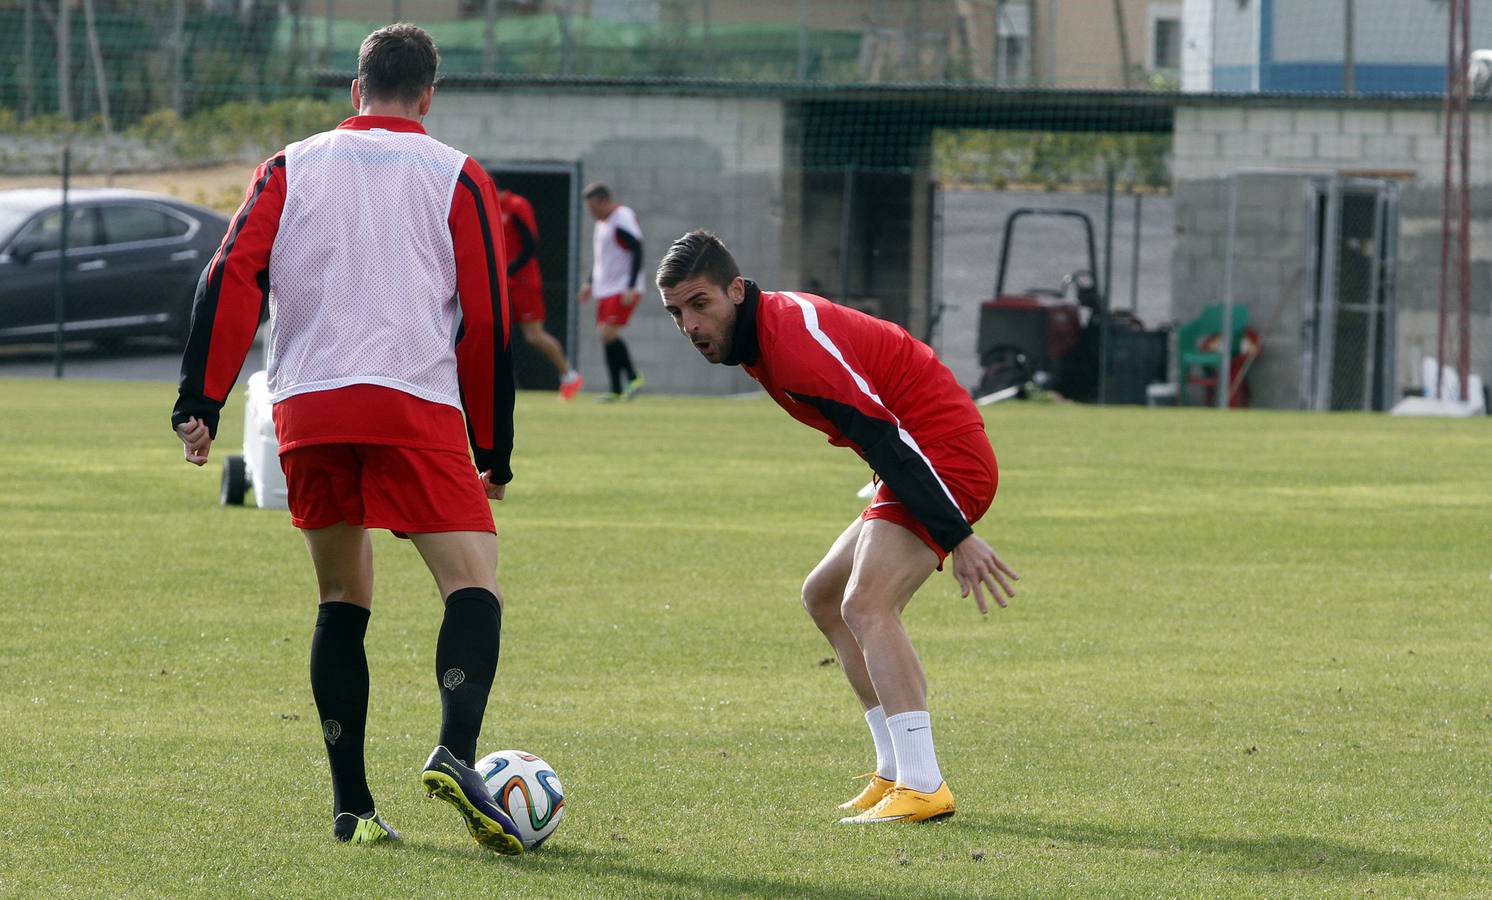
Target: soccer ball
{"points": [[528, 790]]}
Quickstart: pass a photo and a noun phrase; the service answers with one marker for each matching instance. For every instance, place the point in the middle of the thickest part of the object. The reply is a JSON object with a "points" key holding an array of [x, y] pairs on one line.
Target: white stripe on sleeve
{"points": [[811, 321]]}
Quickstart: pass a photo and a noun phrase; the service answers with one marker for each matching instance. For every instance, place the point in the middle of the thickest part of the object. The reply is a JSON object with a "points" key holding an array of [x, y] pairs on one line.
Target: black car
{"points": [[132, 262]]}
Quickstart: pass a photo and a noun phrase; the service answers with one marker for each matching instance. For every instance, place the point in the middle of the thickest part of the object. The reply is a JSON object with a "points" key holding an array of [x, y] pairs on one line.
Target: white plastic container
{"points": [[259, 467], [261, 449]]}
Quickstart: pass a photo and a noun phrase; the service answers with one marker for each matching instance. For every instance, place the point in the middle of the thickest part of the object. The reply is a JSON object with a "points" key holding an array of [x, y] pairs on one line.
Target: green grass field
{"points": [[1249, 658]]}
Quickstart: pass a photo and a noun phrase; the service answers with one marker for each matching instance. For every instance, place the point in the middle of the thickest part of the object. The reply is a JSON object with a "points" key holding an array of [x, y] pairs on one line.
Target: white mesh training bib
{"points": [[611, 269], [362, 272]]}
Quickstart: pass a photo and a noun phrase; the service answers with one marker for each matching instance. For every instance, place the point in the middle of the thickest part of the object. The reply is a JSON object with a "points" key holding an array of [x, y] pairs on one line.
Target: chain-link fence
{"points": [[179, 98], [173, 82], [1304, 265]]}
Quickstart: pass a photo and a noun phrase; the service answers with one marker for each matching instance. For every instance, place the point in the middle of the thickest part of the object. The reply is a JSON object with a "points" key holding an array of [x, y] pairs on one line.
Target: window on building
{"points": [[1165, 44], [1013, 48]]}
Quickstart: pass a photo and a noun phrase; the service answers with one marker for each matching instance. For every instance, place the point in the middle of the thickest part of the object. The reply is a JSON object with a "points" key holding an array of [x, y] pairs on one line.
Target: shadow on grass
{"points": [[652, 880], [1263, 854]]}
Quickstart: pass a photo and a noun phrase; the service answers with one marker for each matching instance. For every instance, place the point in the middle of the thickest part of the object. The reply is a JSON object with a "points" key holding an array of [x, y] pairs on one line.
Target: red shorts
{"points": [[403, 489], [966, 465], [612, 311], [526, 299]]}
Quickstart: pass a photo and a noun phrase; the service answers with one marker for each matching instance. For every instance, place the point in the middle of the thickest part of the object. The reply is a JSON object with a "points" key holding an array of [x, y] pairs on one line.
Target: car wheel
{"points": [[235, 481]]}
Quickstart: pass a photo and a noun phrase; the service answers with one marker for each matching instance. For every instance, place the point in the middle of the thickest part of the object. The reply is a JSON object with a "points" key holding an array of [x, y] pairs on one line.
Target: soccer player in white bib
{"points": [[615, 283], [378, 251]]}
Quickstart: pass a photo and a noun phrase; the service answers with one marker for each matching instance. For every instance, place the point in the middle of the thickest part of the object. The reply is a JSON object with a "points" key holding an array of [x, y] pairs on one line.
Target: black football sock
{"points": [[624, 359], [465, 664], [339, 682], [615, 351]]}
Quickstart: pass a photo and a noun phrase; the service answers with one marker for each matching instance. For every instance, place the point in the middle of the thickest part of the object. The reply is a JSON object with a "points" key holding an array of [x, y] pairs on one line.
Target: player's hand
{"points": [[196, 440], [585, 294], [631, 297], [979, 568], [494, 491]]}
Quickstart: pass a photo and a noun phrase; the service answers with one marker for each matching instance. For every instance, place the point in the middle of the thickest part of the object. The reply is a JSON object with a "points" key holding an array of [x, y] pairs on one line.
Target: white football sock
{"points": [[916, 762], [885, 754]]}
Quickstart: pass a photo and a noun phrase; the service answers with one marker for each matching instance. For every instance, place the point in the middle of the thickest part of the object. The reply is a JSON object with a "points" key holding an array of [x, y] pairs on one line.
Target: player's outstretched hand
{"points": [[494, 491], [631, 297], [979, 568], [196, 440], [585, 294]]}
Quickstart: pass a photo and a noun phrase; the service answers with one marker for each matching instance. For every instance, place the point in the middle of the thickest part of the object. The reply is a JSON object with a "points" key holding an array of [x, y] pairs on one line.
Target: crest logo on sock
{"points": [[452, 678], [332, 729]]}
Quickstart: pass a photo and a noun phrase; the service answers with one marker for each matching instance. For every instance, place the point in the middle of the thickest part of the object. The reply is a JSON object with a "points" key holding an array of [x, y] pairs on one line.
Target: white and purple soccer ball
{"points": [[528, 790]]}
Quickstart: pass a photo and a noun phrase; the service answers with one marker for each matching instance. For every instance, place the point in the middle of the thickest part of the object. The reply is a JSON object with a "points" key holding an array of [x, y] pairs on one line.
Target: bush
{"points": [[1051, 160], [241, 130]]}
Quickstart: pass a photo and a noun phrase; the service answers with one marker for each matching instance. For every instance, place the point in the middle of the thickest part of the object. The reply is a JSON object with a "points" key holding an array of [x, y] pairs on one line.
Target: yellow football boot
{"points": [[351, 829], [875, 789], [902, 804]]}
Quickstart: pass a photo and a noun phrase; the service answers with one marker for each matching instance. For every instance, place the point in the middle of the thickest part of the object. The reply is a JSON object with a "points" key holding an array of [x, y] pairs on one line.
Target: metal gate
{"points": [[1349, 300]]}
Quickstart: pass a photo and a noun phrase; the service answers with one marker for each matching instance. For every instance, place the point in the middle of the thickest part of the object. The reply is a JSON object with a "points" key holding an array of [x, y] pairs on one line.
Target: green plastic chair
{"points": [[1189, 340]]}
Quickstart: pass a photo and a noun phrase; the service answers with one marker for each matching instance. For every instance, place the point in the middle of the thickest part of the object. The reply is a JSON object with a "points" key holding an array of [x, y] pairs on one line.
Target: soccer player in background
{"points": [[873, 388], [615, 282], [526, 287], [377, 250]]}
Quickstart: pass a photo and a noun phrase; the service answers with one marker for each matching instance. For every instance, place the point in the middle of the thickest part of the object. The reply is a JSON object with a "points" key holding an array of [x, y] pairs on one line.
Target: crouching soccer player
{"points": [[377, 250], [873, 388]]}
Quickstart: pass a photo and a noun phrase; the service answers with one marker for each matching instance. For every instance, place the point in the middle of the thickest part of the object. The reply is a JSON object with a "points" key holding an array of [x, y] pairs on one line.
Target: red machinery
{"points": [[1029, 336]]}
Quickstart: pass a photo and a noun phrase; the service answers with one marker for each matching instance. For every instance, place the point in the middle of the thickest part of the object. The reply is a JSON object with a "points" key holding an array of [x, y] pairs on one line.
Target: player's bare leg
{"points": [[464, 564], [890, 564], [343, 557], [537, 337], [460, 559], [823, 595]]}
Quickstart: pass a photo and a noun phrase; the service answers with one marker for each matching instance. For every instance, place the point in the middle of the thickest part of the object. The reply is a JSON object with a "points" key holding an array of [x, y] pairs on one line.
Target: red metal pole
{"points": [[1464, 369], [1445, 202]]}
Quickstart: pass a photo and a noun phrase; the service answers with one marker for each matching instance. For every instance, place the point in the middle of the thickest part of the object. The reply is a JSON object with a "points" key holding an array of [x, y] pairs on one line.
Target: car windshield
{"points": [[11, 218]]}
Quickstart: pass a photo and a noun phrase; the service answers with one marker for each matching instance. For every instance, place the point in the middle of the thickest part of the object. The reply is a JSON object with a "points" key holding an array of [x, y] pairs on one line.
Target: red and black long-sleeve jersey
{"points": [[520, 238], [378, 251], [865, 383]]}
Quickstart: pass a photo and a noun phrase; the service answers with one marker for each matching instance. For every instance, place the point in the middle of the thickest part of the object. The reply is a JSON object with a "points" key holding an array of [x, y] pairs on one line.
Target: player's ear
{"points": [[357, 96], [426, 99], [736, 290]]}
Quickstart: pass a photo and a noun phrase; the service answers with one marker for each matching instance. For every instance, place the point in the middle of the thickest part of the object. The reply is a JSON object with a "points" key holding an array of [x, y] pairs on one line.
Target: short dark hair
{"points": [[397, 62], [698, 253], [596, 190]]}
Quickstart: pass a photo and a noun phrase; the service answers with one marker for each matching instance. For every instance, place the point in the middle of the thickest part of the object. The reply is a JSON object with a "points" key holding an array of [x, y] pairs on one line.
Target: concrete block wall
{"points": [[1406, 139], [1419, 281], [1402, 140], [679, 162], [1266, 271]]}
